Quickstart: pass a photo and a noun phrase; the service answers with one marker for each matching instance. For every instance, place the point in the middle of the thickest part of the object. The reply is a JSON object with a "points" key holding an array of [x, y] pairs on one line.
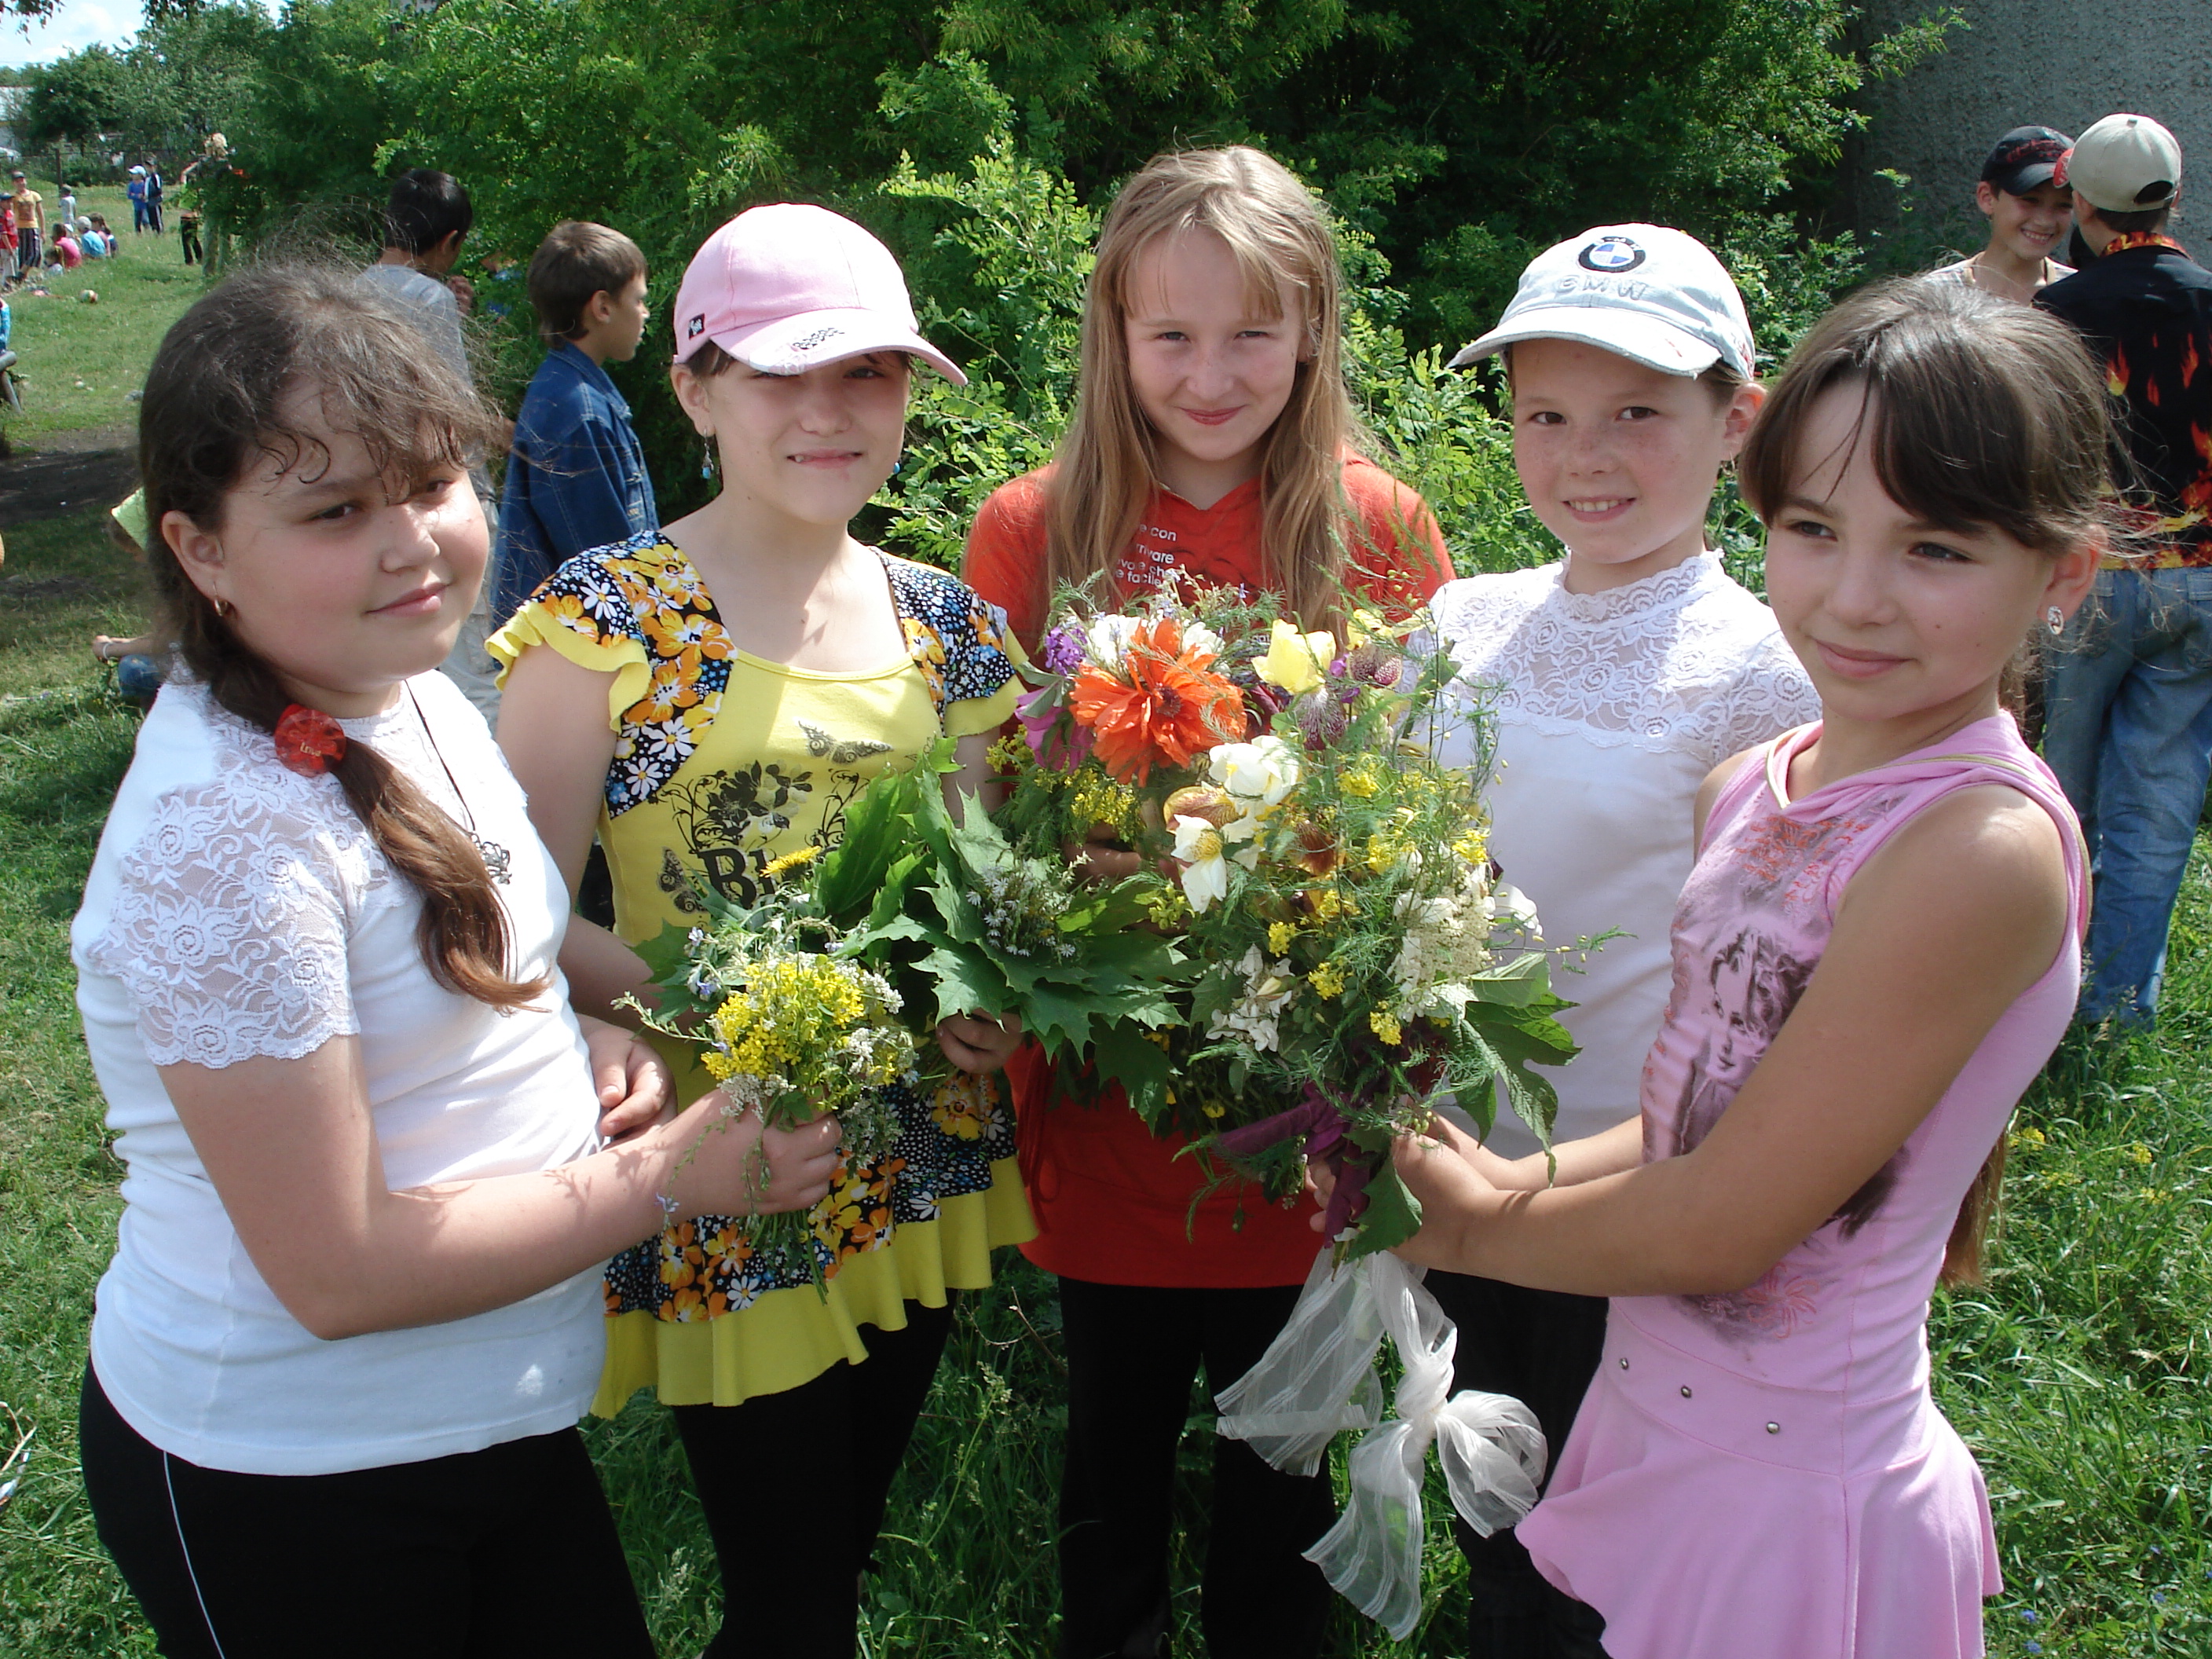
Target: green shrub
{"points": [[980, 139]]}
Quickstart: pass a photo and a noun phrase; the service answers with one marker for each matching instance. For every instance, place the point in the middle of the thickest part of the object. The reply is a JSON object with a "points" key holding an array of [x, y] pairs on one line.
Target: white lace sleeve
{"points": [[230, 921], [1772, 695]]}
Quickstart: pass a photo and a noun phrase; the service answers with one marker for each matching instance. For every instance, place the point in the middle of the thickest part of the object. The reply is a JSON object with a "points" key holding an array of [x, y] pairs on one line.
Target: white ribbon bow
{"points": [[1318, 1377]]}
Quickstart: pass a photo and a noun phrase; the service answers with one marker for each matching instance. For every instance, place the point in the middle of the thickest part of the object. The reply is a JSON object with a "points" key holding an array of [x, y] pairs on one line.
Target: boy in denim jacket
{"points": [[576, 479]]}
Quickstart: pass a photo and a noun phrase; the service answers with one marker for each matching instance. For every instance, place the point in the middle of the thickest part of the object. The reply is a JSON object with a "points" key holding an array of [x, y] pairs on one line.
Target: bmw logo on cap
{"points": [[1612, 254]]}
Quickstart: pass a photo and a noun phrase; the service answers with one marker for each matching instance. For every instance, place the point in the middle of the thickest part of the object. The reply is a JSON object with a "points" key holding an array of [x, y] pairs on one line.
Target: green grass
{"points": [[2078, 1373], [80, 363]]}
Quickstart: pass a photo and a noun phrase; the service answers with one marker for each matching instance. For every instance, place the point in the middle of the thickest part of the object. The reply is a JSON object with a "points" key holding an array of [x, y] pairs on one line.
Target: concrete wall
{"points": [[2051, 65]]}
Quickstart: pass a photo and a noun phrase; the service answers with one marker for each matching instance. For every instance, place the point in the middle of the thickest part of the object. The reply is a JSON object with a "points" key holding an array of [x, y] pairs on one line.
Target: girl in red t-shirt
{"points": [[1213, 441]]}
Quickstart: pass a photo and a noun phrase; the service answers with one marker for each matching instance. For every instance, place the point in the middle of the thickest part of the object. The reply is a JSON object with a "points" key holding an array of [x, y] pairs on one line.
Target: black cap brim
{"points": [[2017, 181]]}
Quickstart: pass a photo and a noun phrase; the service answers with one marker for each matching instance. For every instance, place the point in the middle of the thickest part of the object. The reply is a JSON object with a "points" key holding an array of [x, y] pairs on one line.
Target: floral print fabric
{"points": [[726, 763]]}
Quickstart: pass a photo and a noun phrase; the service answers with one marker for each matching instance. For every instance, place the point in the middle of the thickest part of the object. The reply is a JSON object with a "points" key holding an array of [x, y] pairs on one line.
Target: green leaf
{"points": [[1524, 980], [667, 953], [876, 831], [1392, 1214], [1122, 1053], [968, 982]]}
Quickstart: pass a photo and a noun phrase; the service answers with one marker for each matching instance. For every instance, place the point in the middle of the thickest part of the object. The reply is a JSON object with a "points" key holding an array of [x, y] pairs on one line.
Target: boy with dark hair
{"points": [[425, 221], [2130, 722], [576, 479], [2029, 213]]}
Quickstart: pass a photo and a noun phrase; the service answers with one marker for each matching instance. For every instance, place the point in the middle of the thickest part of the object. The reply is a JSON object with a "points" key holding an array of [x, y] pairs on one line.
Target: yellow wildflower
{"points": [[1362, 778], [790, 861], [1472, 846], [1096, 799], [2139, 1153], [1328, 980], [1384, 1025], [2028, 1139], [1328, 904], [1213, 1108], [1280, 935]]}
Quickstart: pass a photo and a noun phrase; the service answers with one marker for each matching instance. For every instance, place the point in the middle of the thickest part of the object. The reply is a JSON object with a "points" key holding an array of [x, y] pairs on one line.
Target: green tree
{"points": [[72, 100], [190, 73], [981, 138]]}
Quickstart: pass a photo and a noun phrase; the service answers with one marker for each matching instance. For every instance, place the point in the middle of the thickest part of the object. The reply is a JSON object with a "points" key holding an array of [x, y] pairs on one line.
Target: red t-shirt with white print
{"points": [[1112, 1202]]}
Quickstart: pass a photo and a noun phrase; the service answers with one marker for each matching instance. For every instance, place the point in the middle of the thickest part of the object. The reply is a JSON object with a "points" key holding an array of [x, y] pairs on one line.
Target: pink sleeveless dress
{"points": [[1763, 1474]]}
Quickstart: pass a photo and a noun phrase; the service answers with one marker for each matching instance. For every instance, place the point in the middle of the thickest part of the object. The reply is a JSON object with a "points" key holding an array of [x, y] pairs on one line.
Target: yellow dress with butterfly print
{"points": [[724, 762]]}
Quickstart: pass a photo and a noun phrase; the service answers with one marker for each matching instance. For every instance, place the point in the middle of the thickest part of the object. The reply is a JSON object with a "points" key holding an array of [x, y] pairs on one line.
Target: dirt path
{"points": [[99, 470]]}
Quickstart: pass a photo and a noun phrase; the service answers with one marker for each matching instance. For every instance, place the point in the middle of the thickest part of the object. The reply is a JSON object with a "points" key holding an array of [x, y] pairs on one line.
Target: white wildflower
{"points": [[1256, 1016], [1106, 640], [1203, 851]]}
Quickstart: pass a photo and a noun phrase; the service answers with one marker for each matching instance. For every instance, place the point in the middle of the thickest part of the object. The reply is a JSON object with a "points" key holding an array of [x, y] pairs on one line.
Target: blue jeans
{"points": [[2128, 733]]}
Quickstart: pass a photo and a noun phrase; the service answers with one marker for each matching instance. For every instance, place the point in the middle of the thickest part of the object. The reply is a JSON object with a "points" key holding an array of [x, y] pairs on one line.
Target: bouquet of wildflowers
{"points": [[1359, 959], [830, 987]]}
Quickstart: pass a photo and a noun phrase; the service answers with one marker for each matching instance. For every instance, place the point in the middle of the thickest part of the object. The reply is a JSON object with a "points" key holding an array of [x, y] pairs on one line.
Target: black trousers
{"points": [[1133, 1353], [1542, 1347], [840, 1437], [505, 1551]]}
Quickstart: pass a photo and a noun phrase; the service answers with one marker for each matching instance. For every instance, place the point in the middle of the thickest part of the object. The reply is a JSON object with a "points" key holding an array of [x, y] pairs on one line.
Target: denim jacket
{"points": [[576, 479]]}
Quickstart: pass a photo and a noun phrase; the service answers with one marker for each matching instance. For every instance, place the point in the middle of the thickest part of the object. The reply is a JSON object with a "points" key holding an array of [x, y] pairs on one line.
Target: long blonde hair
{"points": [[1107, 464]]}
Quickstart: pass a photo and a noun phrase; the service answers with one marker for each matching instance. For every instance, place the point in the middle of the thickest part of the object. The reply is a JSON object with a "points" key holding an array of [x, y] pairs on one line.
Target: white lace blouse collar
{"points": [[1666, 590]]}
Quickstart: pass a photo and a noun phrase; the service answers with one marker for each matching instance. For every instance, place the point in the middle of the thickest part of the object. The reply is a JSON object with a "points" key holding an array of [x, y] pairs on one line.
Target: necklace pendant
{"points": [[499, 863]]}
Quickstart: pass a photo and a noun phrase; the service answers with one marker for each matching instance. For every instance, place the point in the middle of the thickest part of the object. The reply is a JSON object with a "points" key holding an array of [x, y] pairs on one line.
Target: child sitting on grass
{"points": [[576, 479]]}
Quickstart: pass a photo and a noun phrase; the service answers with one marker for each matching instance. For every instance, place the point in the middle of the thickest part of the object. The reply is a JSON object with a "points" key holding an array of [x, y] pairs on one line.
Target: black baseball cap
{"points": [[2025, 158]]}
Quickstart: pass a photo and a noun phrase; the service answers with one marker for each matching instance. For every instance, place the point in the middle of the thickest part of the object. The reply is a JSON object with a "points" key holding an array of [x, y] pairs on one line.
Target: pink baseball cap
{"points": [[781, 289]]}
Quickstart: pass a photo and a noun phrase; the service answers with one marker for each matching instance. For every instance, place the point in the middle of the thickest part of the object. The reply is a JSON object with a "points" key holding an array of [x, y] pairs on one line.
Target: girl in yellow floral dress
{"points": [[708, 700]]}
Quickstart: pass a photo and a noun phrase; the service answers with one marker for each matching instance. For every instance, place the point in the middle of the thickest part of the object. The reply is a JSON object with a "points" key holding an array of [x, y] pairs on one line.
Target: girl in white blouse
{"points": [[1613, 682], [374, 1162]]}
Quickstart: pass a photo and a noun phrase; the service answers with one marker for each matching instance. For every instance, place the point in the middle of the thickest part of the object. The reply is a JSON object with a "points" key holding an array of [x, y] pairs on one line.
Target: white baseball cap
{"points": [[1654, 295], [2125, 164], [781, 289]]}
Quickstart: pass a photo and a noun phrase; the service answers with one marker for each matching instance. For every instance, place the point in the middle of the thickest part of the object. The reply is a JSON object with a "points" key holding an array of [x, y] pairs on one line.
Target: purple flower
{"points": [[1373, 665], [1058, 743], [1062, 651], [1321, 719]]}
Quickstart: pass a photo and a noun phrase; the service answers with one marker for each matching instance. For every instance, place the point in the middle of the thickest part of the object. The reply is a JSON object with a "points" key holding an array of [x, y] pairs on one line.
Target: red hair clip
{"points": [[309, 741]]}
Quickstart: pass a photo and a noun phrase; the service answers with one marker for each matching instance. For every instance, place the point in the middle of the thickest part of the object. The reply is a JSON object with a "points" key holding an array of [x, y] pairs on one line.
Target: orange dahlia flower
{"points": [[1162, 709]]}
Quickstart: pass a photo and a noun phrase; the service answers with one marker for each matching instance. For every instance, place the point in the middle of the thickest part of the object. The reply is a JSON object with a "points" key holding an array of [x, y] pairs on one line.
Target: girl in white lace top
{"points": [[354, 1293], [1613, 682]]}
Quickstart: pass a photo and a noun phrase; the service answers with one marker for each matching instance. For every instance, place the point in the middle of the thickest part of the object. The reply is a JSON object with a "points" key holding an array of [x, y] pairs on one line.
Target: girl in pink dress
{"points": [[1876, 954]]}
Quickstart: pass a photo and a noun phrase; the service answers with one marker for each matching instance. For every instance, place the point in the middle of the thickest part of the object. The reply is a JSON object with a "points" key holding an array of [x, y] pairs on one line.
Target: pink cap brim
{"points": [[791, 346]]}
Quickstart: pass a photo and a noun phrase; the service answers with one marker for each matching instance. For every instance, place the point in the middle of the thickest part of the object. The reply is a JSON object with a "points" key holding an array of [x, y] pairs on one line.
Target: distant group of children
{"points": [[62, 243], [392, 1143]]}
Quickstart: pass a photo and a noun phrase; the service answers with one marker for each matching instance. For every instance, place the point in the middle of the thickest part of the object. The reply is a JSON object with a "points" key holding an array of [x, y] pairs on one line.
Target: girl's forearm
{"points": [[1590, 1158], [601, 969], [1642, 1232], [429, 1254]]}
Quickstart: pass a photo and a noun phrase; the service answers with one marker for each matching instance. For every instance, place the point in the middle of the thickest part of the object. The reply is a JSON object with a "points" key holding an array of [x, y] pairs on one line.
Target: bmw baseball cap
{"points": [[782, 288], [2124, 164], [1655, 295], [2026, 159]]}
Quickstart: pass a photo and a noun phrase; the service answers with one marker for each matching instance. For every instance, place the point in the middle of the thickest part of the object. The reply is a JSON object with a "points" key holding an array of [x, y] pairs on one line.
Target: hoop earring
{"points": [[2055, 620], [707, 457]]}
